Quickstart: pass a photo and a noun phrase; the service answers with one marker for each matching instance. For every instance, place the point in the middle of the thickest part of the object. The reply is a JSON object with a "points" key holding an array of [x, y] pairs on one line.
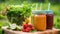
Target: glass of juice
{"points": [[39, 20], [49, 16]]}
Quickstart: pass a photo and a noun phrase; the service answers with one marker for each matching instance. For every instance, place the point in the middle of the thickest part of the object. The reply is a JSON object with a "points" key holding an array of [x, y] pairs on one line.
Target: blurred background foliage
{"points": [[55, 6]]}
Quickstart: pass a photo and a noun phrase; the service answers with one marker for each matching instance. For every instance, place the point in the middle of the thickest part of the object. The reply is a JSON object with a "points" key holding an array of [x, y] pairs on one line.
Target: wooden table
{"points": [[54, 31]]}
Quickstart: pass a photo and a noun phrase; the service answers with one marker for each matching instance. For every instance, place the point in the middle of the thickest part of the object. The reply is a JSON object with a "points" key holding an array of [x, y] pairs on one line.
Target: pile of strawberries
{"points": [[27, 27]]}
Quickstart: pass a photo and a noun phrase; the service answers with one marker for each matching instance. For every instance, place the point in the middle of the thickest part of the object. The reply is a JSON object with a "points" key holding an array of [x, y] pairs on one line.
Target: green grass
{"points": [[0, 31], [57, 22]]}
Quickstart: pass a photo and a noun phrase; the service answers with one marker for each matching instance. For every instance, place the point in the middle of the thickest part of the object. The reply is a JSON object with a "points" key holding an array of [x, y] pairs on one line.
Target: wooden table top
{"points": [[53, 31]]}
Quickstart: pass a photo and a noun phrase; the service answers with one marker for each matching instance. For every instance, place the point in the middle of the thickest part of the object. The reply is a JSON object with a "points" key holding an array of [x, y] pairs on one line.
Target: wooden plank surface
{"points": [[53, 31]]}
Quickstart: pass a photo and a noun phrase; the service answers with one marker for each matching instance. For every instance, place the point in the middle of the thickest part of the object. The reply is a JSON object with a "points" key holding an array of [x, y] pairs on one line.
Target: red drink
{"points": [[49, 19]]}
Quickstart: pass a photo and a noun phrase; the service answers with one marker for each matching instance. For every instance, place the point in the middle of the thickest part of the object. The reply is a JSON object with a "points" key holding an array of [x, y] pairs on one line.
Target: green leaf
{"points": [[33, 30]]}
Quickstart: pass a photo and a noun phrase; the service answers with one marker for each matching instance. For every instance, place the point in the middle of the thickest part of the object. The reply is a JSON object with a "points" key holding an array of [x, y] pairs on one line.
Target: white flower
{"points": [[12, 26]]}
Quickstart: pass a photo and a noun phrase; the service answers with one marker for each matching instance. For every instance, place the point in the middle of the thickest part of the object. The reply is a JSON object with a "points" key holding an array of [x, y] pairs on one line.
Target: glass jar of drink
{"points": [[39, 20], [49, 20]]}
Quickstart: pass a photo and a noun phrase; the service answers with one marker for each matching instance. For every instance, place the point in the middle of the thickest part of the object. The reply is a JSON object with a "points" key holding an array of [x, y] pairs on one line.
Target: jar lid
{"points": [[48, 11], [38, 12]]}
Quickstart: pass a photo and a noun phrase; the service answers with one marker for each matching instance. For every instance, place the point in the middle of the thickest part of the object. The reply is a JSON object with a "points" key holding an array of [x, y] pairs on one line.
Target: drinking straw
{"points": [[36, 9], [36, 6], [49, 6], [41, 6]]}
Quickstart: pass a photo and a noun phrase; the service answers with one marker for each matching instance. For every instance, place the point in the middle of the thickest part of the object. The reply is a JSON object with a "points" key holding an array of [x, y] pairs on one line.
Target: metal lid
{"points": [[48, 11], [38, 12]]}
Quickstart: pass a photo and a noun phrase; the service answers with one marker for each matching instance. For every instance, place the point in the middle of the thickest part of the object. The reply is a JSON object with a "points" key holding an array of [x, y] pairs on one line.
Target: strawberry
{"points": [[30, 25], [23, 30], [32, 28], [28, 29], [25, 26]]}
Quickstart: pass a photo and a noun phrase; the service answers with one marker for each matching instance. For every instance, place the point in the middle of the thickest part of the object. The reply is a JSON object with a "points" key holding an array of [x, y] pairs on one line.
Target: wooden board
{"points": [[54, 31]]}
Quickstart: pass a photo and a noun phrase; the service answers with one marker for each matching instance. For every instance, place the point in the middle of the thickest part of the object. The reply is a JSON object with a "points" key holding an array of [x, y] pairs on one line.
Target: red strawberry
{"points": [[30, 25], [25, 26], [32, 28], [23, 30], [28, 29]]}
